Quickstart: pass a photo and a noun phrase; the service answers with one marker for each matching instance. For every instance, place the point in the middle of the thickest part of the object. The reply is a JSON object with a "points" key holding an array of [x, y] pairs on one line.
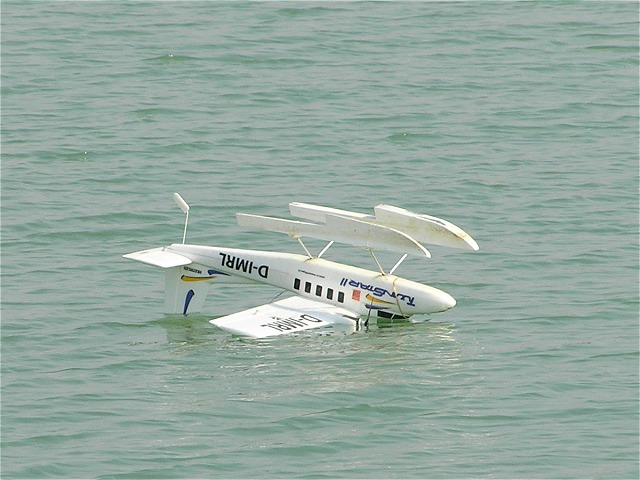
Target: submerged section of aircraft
{"points": [[324, 292]]}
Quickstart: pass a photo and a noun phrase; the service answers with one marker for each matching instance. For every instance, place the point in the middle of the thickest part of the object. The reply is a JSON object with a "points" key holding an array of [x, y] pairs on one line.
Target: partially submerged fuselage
{"points": [[359, 290]]}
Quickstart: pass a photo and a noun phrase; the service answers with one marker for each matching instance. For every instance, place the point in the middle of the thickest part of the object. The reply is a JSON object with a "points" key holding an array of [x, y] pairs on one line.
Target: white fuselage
{"points": [[355, 289]]}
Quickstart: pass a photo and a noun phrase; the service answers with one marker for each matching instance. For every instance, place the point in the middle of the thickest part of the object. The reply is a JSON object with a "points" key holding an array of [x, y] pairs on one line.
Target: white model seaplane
{"points": [[325, 292]]}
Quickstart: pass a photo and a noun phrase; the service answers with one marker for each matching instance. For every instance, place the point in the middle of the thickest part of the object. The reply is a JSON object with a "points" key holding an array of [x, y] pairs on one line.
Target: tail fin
{"points": [[185, 290], [186, 287], [186, 283]]}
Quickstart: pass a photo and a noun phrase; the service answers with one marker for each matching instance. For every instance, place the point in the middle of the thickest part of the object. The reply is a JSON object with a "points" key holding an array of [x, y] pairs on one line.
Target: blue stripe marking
{"points": [[187, 301]]}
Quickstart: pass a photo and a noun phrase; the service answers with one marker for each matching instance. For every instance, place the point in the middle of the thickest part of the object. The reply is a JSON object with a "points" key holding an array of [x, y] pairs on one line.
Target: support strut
{"points": [[375, 259], [304, 246]]}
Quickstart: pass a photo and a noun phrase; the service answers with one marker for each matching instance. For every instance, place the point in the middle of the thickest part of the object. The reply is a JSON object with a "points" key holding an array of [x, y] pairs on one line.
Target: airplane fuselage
{"points": [[356, 289]]}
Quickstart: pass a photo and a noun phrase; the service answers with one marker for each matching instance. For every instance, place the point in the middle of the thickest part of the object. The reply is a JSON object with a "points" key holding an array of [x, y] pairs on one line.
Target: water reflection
{"points": [[337, 360], [187, 330]]}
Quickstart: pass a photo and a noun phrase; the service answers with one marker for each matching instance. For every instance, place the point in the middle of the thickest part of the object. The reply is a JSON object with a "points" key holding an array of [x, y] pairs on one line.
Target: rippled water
{"points": [[516, 121]]}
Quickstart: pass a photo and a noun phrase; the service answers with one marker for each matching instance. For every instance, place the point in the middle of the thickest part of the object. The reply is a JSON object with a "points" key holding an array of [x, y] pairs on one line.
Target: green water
{"points": [[517, 121]]}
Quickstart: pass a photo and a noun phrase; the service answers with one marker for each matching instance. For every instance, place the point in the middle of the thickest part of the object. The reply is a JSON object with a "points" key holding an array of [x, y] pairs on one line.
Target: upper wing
{"points": [[420, 228], [285, 316], [343, 229], [425, 228]]}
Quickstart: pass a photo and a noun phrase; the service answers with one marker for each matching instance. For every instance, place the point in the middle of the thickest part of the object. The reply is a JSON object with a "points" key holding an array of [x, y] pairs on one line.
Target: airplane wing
{"points": [[420, 228], [391, 228], [284, 316], [343, 229]]}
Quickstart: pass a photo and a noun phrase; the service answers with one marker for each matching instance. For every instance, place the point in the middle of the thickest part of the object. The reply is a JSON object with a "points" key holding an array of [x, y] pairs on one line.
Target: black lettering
{"points": [[283, 326], [194, 270], [287, 324], [242, 264], [294, 322], [275, 326]]}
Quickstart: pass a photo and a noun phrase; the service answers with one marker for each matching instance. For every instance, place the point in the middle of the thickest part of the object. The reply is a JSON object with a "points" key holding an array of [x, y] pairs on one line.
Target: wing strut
{"points": [[375, 259], [304, 246], [322, 252], [398, 264]]}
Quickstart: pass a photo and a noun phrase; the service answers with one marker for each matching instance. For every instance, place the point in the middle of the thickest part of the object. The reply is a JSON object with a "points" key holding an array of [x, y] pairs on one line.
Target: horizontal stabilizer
{"points": [[159, 257], [285, 316], [348, 230]]}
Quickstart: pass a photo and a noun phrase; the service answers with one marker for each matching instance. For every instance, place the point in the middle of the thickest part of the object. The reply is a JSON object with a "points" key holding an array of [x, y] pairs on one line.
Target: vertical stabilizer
{"points": [[185, 291]]}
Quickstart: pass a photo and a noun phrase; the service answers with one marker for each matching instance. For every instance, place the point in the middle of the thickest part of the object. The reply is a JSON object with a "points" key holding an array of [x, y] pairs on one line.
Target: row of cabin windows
{"points": [[308, 286]]}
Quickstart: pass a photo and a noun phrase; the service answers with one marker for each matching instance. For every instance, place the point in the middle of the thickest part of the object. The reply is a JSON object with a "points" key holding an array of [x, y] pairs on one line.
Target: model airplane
{"points": [[325, 292]]}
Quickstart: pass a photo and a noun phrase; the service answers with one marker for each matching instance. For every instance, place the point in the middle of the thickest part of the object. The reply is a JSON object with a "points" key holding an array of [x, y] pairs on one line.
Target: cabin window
{"points": [[341, 297], [330, 293], [296, 284], [307, 287], [319, 290]]}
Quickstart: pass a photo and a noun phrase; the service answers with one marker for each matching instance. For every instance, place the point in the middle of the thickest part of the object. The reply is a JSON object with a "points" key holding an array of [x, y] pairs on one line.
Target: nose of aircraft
{"points": [[429, 299], [441, 301], [447, 301]]}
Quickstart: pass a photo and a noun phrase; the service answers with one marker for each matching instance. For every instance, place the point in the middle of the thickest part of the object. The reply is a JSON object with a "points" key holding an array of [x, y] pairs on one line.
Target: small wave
{"points": [[171, 58]]}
